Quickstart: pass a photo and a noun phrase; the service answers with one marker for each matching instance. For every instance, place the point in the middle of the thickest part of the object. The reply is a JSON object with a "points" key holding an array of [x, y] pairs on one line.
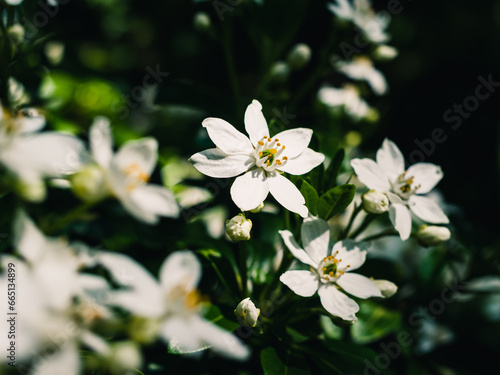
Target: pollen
{"points": [[277, 140], [278, 144], [261, 143], [284, 157], [324, 259], [330, 273], [272, 151], [260, 153], [278, 162]]}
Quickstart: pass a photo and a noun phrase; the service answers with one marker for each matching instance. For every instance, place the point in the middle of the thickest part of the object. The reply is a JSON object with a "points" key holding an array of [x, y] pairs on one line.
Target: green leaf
{"points": [[335, 200], [331, 330], [311, 196], [214, 315], [273, 365], [333, 170], [374, 323]]}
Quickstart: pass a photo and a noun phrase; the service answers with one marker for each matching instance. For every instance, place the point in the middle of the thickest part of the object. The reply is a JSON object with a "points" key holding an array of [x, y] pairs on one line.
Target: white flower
{"points": [[261, 158], [360, 13], [329, 272], [247, 313], [388, 175], [32, 156], [388, 288], [127, 172], [432, 235], [348, 97], [375, 202], [173, 302], [238, 228], [361, 68]]}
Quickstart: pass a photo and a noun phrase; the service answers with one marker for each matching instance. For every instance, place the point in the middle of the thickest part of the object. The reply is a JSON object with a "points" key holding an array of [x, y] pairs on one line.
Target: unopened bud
{"points": [[238, 228], [125, 356], [202, 22], [258, 208], [89, 184], [16, 34], [299, 56], [384, 52], [280, 72], [375, 202], [387, 287], [33, 191], [247, 313], [432, 235]]}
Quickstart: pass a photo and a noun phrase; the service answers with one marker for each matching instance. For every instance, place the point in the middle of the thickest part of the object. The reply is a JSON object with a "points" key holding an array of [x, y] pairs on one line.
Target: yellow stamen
{"points": [[272, 151], [261, 143], [330, 273]]}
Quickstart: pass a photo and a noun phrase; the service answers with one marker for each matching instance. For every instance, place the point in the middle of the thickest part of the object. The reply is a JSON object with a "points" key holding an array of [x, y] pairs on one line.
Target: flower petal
{"points": [[303, 283], [350, 253], [427, 210], [101, 141], [427, 175], [250, 190], [390, 159], [315, 235], [358, 285], [370, 174], [332, 96], [295, 249], [401, 219], [216, 163], [226, 137], [142, 152], [295, 141], [303, 163], [67, 358], [255, 123], [29, 123], [181, 268], [28, 239], [287, 194], [337, 303]]}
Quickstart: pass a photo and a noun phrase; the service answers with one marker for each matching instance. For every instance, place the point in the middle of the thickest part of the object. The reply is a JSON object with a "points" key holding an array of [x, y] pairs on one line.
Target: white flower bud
{"points": [[54, 51], [33, 191], [280, 71], [247, 313], [89, 184], [125, 356], [387, 287], [16, 34], [384, 52], [202, 22], [375, 202], [258, 208], [432, 235], [299, 56], [238, 228]]}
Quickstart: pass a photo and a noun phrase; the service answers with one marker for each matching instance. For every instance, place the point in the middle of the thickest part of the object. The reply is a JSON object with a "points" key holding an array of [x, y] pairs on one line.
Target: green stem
{"points": [[222, 279], [381, 235], [243, 268], [368, 219], [355, 212]]}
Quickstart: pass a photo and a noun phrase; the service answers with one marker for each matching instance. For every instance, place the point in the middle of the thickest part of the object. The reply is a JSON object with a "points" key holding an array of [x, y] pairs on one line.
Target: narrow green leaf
{"points": [[311, 196], [335, 200], [374, 323], [273, 365], [333, 170]]}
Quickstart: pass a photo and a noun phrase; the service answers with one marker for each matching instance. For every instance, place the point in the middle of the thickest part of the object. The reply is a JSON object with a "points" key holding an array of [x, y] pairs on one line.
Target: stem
{"points": [[368, 219], [386, 233], [242, 254], [222, 279], [355, 212]]}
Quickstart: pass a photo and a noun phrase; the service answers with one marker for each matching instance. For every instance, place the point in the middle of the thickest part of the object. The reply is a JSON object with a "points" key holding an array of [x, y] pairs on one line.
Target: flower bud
{"points": [[238, 228], [387, 287], [32, 191], [247, 313], [375, 202], [432, 235], [384, 52], [202, 22], [258, 208], [16, 34], [299, 56], [125, 356], [280, 72], [89, 184]]}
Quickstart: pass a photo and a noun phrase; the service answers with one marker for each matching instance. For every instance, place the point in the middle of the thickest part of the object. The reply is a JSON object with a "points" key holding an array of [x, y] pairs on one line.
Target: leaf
{"points": [[311, 196], [374, 323], [331, 330], [214, 315], [273, 365], [335, 200], [333, 170]]}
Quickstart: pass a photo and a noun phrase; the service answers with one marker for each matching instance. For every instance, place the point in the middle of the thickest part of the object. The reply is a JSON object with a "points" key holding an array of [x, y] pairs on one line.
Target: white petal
{"points": [[295, 141], [350, 253], [226, 137], [287, 194], [401, 219], [377, 82], [255, 123], [358, 285], [180, 268], [28, 239], [295, 249], [96, 343], [337, 303], [29, 124], [215, 163], [145, 303], [303, 283], [155, 200], [332, 96], [315, 235], [250, 190], [66, 361], [101, 141], [303, 163], [342, 9], [427, 175], [390, 159], [371, 174], [142, 152], [427, 210]]}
